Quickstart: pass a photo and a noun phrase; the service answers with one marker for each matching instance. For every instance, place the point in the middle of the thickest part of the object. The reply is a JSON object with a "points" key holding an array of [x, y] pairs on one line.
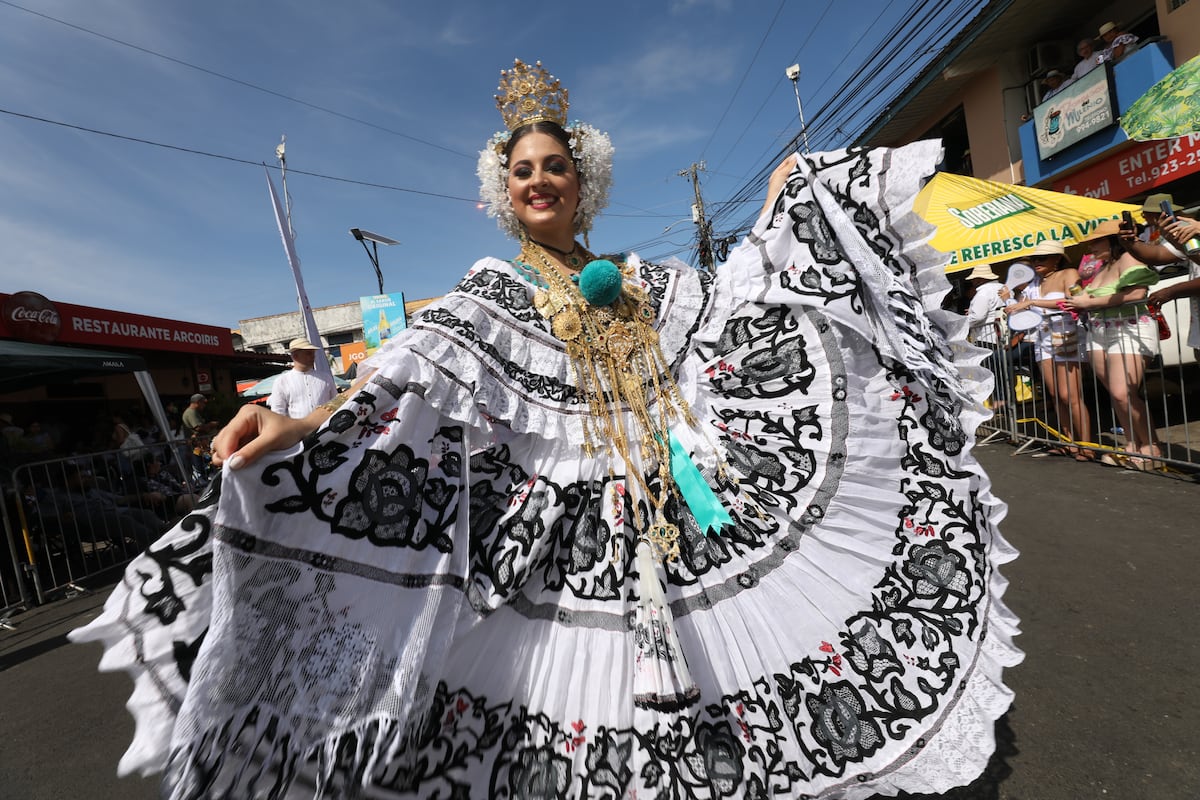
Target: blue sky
{"points": [[103, 221]]}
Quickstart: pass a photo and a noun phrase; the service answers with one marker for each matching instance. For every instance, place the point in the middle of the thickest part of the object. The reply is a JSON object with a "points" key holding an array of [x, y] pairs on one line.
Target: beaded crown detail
{"points": [[530, 94]]}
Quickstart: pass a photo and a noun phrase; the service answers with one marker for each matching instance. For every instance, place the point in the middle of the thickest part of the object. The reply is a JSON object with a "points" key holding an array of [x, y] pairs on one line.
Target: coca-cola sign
{"points": [[31, 317]]}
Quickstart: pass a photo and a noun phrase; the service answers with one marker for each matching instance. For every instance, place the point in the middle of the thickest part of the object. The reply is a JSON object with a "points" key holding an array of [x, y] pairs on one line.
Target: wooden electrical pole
{"points": [[703, 230]]}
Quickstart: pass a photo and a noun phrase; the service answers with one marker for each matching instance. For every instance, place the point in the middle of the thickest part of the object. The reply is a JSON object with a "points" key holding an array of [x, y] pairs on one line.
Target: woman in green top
{"points": [[1121, 337]]}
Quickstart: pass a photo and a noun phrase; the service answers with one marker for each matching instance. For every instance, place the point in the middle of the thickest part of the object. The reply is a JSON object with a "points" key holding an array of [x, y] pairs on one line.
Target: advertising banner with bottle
{"points": [[383, 317]]}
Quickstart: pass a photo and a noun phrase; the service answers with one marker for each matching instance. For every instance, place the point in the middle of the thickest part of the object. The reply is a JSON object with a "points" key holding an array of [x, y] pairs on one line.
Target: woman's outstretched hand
{"points": [[254, 431], [778, 178]]}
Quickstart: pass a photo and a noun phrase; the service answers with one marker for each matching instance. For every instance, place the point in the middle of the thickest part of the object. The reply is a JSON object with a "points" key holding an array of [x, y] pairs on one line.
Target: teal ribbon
{"points": [[704, 505]]}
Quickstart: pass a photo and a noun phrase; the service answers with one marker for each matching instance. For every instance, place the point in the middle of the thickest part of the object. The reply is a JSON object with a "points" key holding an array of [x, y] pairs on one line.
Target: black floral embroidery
{"points": [[719, 756], [840, 724], [938, 571], [546, 386], [943, 420], [506, 291], [384, 502], [871, 654], [191, 558], [539, 774]]}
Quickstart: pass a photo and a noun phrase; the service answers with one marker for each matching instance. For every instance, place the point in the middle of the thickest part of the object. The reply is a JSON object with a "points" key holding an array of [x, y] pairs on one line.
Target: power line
{"points": [[770, 93], [233, 159], [906, 32], [746, 74], [238, 81]]}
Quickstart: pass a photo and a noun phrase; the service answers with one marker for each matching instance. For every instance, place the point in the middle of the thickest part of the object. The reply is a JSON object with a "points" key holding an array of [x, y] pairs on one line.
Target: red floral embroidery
{"points": [[908, 395], [578, 739]]}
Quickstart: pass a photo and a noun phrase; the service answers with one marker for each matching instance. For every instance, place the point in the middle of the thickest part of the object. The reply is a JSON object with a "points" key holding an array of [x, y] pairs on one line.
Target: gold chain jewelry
{"points": [[618, 365], [573, 258], [336, 403]]}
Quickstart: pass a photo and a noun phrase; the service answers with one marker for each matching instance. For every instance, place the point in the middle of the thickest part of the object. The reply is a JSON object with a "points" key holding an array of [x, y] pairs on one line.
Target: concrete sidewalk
{"points": [[1107, 699]]}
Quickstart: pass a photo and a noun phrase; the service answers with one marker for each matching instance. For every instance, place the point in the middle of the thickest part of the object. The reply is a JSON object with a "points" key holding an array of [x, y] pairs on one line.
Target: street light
{"points": [[793, 73], [373, 251]]}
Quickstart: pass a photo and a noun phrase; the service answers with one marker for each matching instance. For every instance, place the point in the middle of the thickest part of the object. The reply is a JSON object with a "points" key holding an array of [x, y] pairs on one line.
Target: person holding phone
{"points": [[1178, 231]]}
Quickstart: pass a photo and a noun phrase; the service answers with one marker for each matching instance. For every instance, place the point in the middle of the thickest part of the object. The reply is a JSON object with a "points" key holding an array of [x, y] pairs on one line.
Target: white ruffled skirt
{"points": [[438, 593]]}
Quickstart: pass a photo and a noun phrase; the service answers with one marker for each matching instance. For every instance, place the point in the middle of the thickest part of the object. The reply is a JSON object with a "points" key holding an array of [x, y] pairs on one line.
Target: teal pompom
{"points": [[600, 282]]}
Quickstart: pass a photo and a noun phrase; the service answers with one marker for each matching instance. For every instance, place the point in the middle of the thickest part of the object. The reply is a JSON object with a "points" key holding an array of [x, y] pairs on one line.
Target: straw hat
{"points": [[1106, 27], [1110, 227], [983, 272], [1153, 204], [1047, 248], [301, 344]]}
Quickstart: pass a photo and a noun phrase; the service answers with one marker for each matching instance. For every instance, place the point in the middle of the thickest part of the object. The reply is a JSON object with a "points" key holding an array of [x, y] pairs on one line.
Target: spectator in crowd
{"points": [[168, 492], [1089, 59], [983, 288], [1152, 211], [37, 442], [1057, 345], [1117, 43], [1176, 235], [302, 388], [1149, 245], [194, 423], [1055, 81], [11, 432], [1121, 338], [983, 312], [174, 421], [101, 513], [124, 437]]}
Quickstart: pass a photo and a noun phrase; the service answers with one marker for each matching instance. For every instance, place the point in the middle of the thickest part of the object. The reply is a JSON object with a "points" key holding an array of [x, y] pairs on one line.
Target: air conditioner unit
{"points": [[1045, 56]]}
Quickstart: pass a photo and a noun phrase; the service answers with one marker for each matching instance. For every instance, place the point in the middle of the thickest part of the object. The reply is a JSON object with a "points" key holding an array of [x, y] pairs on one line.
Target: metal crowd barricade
{"points": [[1146, 398], [69, 519]]}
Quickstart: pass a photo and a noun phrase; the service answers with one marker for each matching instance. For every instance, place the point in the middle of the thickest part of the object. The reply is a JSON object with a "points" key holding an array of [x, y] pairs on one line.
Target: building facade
{"points": [[984, 96], [340, 326]]}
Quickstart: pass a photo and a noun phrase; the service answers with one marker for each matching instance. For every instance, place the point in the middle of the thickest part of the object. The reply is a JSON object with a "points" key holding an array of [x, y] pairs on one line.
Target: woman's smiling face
{"points": [[543, 186]]}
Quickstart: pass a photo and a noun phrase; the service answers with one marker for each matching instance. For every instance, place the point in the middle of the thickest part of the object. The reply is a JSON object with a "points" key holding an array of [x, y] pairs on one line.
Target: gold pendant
{"points": [[664, 538], [566, 325], [620, 341], [542, 302]]}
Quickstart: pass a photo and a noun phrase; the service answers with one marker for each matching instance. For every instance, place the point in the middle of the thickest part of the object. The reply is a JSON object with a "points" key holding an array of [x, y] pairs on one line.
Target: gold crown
{"points": [[530, 94]]}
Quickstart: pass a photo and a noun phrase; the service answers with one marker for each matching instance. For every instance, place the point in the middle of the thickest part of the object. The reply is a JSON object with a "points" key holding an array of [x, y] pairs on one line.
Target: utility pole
{"points": [[703, 229]]}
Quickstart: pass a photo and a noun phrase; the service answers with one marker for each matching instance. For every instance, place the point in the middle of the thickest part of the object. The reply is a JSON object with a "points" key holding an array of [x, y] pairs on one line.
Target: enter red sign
{"points": [[1136, 169]]}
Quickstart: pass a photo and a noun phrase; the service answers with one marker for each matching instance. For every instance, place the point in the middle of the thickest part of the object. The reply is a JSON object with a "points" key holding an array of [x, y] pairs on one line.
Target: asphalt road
{"points": [[1107, 700]]}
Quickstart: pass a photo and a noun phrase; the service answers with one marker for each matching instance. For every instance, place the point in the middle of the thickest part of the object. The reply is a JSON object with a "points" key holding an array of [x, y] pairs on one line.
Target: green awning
{"points": [[26, 364]]}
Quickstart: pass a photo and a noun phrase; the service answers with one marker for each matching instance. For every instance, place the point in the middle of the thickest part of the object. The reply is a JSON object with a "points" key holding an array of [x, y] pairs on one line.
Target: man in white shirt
{"points": [[301, 389], [985, 309], [1089, 59], [986, 305]]}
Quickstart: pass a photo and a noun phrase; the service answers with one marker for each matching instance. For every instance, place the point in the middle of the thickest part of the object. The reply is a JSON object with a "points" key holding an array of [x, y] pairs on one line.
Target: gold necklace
{"points": [[571, 257], [618, 366]]}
